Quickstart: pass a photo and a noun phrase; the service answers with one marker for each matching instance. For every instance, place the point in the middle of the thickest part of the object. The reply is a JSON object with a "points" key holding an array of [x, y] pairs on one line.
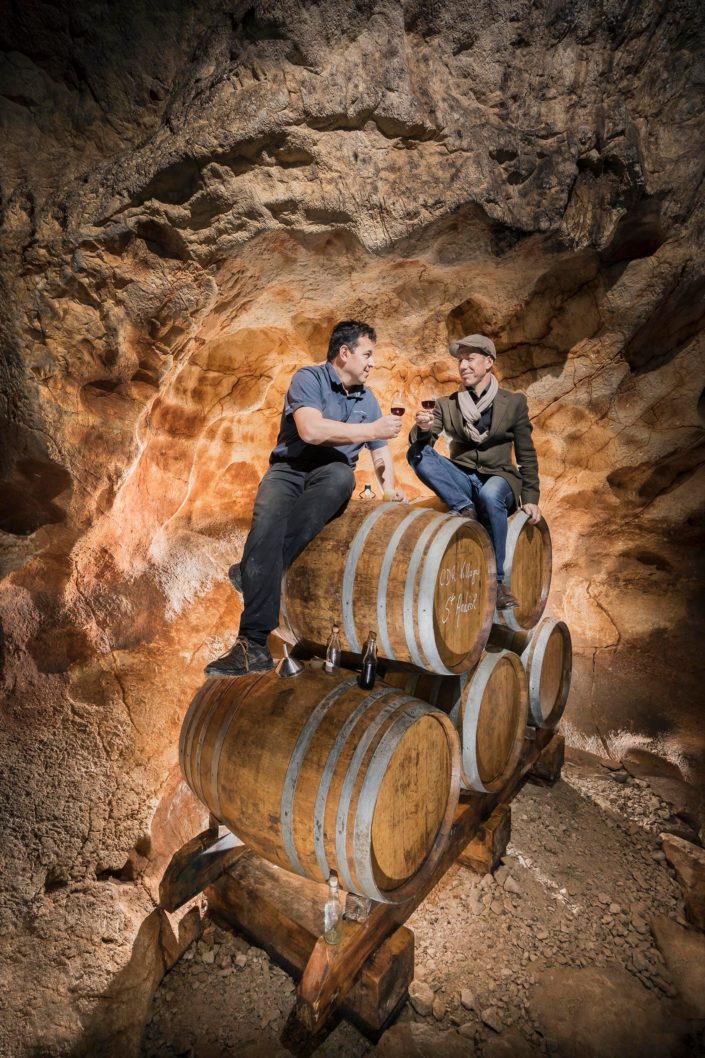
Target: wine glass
{"points": [[398, 404], [428, 399]]}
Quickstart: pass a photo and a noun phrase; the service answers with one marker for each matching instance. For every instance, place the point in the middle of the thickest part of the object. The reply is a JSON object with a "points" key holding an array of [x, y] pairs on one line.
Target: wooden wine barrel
{"points": [[527, 571], [317, 775], [442, 692], [424, 581], [547, 655], [489, 707]]}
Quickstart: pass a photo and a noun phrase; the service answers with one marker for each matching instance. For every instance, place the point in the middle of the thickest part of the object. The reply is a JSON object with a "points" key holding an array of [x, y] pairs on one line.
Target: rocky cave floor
{"points": [[577, 945]]}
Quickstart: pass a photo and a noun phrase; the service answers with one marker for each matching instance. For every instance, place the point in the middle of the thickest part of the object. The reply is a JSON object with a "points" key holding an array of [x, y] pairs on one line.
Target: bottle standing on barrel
{"points": [[333, 651], [332, 912], [369, 663], [367, 493]]}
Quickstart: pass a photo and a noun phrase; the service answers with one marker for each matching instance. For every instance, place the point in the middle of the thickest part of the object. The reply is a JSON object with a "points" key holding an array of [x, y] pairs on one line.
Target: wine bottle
{"points": [[368, 673], [333, 651], [332, 912], [367, 493]]}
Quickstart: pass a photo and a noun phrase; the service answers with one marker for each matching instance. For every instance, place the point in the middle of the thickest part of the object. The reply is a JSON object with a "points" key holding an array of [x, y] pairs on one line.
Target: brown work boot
{"points": [[468, 512], [505, 599]]}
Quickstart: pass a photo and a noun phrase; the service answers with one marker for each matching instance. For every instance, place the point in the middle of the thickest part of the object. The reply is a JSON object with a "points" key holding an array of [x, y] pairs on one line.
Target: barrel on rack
{"points": [[527, 571], [547, 655], [489, 708], [317, 775], [425, 581]]}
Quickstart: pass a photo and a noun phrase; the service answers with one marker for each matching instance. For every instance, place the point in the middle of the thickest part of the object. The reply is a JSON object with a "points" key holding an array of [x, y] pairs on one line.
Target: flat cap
{"points": [[474, 341]]}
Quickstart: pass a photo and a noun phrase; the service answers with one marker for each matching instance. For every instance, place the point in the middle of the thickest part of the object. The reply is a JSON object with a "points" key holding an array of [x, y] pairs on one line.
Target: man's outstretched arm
{"points": [[313, 429]]}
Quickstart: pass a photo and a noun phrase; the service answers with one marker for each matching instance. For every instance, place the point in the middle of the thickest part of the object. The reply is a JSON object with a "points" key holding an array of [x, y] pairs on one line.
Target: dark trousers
{"points": [[292, 506], [489, 495]]}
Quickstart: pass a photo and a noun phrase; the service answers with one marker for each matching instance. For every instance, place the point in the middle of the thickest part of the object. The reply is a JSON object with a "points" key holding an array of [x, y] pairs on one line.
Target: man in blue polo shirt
{"points": [[328, 416]]}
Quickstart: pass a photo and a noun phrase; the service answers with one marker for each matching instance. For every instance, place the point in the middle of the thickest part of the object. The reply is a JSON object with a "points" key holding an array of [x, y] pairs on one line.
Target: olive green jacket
{"points": [[510, 427]]}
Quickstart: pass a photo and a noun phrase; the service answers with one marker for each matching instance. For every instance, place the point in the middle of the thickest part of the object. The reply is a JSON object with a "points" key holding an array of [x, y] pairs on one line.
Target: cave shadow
{"points": [[122, 1011]]}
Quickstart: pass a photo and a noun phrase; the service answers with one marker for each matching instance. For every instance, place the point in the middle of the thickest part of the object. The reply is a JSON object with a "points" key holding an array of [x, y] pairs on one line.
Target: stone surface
{"points": [[600, 1013], [688, 861], [421, 997], [190, 199], [565, 850], [684, 952], [410, 1040]]}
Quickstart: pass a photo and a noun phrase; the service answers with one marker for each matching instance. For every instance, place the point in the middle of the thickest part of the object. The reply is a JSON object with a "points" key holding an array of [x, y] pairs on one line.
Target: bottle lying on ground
{"points": [[333, 651], [368, 673]]}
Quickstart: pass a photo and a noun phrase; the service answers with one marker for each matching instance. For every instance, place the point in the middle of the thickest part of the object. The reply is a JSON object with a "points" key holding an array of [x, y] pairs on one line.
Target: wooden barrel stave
{"points": [[527, 571], [307, 773], [424, 581], [547, 655], [489, 708]]}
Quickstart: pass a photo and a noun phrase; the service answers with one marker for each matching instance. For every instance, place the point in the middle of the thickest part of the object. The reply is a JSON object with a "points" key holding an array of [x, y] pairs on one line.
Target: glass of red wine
{"points": [[398, 404], [428, 400]]}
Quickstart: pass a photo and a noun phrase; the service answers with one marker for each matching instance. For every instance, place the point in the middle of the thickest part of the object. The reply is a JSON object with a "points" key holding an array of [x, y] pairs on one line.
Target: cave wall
{"points": [[191, 198]]}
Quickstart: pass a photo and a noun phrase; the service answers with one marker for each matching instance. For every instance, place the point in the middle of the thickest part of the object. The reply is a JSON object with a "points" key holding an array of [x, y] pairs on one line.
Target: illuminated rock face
{"points": [[208, 194]]}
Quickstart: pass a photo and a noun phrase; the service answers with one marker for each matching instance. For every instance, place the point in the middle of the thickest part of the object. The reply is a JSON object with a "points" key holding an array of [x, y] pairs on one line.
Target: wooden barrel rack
{"points": [[389, 788], [282, 912]]}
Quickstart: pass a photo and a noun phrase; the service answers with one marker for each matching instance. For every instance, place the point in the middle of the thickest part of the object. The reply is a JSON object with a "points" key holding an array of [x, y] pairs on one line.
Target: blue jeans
{"points": [[488, 495]]}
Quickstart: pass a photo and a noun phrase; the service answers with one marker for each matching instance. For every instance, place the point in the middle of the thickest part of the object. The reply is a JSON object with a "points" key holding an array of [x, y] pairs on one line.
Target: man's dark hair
{"points": [[347, 333]]}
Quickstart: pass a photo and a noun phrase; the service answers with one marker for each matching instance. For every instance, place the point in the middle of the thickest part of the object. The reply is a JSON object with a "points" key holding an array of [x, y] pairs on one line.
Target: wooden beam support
{"points": [[196, 865], [484, 853], [332, 971], [283, 914], [546, 770], [383, 985]]}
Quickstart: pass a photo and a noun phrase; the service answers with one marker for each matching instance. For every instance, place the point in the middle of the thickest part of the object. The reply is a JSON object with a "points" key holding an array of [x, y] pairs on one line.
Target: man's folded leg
{"points": [[449, 482], [495, 502], [327, 491], [261, 573]]}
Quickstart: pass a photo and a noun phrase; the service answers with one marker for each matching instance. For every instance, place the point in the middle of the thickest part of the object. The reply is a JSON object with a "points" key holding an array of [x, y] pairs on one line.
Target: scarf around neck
{"points": [[472, 411]]}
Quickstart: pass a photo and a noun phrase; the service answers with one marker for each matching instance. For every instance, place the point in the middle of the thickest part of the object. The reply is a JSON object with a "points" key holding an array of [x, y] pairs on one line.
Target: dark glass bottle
{"points": [[368, 674]]}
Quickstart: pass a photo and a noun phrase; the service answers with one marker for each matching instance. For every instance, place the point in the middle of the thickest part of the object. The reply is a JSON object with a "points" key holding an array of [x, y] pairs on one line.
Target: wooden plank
{"points": [[283, 914], [383, 984], [484, 853], [546, 770], [196, 865], [332, 971], [260, 901]]}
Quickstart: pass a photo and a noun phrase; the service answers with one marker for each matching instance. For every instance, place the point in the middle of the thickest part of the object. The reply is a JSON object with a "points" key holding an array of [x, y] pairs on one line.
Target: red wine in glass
{"points": [[429, 404], [398, 406]]}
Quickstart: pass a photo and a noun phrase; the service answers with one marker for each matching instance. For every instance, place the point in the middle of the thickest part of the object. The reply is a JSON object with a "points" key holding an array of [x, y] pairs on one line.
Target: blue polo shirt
{"points": [[319, 387]]}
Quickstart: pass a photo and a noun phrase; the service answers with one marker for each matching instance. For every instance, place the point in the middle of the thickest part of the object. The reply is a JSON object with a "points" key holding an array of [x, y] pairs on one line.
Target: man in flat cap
{"points": [[482, 422]]}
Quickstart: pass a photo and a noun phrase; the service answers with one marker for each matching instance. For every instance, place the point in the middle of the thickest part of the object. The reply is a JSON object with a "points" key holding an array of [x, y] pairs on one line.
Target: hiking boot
{"points": [[242, 658], [505, 599], [468, 512], [235, 577]]}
